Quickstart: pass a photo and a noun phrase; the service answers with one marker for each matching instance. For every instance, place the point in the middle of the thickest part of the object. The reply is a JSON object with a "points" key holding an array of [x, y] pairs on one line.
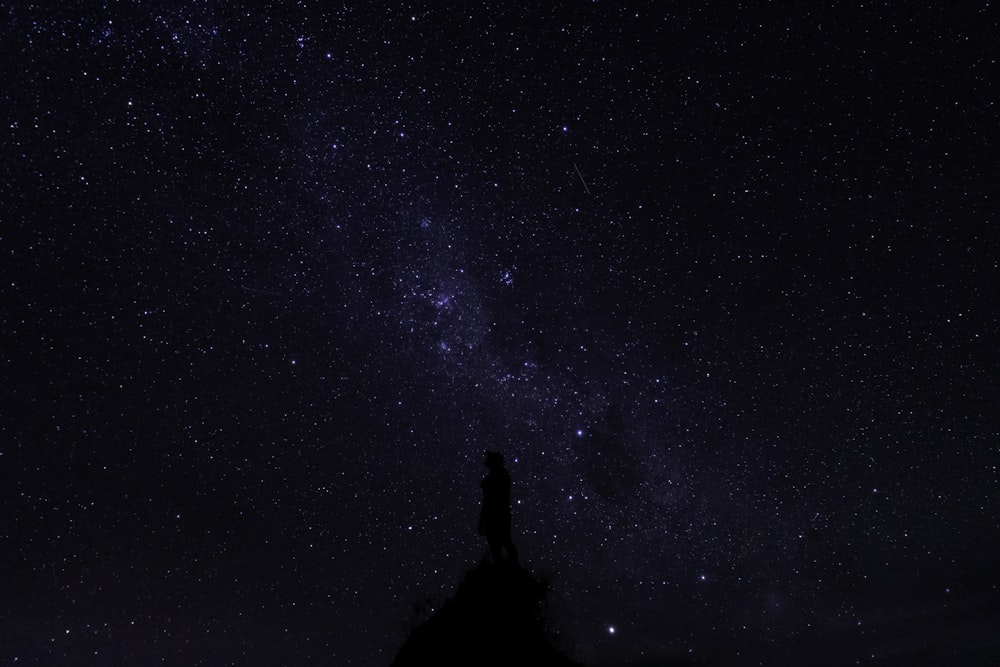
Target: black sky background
{"points": [[720, 280]]}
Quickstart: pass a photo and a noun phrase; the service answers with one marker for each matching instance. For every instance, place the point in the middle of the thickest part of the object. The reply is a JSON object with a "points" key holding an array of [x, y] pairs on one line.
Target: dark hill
{"points": [[495, 618]]}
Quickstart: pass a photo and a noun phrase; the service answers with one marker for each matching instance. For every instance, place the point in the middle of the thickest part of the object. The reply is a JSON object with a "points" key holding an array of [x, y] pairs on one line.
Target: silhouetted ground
{"points": [[495, 618]]}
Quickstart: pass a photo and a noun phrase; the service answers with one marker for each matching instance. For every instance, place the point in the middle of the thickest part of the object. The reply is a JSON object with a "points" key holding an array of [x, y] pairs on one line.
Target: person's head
{"points": [[494, 460]]}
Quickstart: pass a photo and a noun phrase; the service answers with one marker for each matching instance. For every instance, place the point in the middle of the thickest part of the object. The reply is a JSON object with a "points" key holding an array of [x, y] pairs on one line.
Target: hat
{"points": [[493, 459]]}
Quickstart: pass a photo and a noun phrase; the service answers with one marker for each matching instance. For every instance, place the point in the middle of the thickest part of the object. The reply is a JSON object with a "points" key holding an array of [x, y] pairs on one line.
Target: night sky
{"points": [[721, 282]]}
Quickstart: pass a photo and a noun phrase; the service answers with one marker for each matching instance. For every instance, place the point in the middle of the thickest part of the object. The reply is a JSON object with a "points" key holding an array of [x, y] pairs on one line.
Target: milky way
{"points": [[720, 283]]}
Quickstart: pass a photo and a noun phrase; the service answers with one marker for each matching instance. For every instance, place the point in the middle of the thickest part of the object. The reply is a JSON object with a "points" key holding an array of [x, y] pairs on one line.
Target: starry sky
{"points": [[720, 280]]}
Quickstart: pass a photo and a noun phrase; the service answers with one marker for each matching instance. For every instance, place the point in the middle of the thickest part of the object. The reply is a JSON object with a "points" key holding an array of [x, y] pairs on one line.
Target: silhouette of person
{"points": [[494, 520]]}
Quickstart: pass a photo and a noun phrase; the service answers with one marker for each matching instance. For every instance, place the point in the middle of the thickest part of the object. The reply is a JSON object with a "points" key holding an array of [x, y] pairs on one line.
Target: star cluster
{"points": [[719, 281]]}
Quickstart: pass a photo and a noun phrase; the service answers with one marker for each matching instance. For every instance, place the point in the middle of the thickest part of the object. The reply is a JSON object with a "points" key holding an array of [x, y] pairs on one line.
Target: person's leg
{"points": [[511, 549], [496, 547]]}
